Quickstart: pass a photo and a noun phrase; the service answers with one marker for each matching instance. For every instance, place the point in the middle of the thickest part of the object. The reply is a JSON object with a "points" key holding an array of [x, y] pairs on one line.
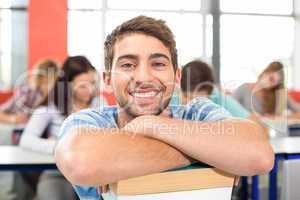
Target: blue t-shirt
{"points": [[229, 103], [199, 109]]}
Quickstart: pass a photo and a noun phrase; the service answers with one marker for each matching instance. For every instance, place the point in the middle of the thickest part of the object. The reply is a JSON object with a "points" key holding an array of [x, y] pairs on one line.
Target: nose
{"points": [[142, 74]]}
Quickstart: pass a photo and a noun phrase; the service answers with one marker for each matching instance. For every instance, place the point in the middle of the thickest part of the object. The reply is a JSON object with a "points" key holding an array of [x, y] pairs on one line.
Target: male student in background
{"points": [[143, 134], [197, 80]]}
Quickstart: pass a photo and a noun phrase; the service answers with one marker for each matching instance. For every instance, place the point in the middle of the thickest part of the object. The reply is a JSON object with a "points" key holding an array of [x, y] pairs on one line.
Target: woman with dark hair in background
{"points": [[73, 91]]}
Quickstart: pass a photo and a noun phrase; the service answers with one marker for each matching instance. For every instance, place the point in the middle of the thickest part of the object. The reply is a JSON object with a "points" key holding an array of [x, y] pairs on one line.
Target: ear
{"points": [[107, 82], [177, 77], [184, 98]]}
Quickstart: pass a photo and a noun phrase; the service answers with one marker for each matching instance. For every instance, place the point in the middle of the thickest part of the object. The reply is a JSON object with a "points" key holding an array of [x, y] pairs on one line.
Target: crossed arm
{"points": [[150, 144]]}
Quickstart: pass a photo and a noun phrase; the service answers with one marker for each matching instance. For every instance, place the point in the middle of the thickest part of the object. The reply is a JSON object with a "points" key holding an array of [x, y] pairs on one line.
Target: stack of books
{"points": [[201, 183]]}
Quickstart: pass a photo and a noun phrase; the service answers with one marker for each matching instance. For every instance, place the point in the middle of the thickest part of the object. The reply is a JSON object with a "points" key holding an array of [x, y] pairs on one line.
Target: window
{"points": [[88, 4], [156, 4], [188, 36], [13, 40], [249, 42], [85, 35], [88, 25], [5, 46], [283, 7], [5, 4]]}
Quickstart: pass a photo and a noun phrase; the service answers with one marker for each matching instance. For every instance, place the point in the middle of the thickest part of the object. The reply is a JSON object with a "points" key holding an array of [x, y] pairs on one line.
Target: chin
{"points": [[136, 112]]}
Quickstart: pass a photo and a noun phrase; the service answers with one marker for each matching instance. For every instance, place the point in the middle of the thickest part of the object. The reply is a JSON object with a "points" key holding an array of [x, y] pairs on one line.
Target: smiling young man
{"points": [[143, 134]]}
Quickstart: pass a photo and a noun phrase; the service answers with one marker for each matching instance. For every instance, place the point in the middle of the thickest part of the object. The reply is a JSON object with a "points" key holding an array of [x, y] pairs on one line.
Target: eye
{"points": [[158, 64], [127, 66]]}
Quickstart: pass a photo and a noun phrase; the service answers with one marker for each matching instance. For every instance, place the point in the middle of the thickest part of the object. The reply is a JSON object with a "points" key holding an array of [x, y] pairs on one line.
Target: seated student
{"points": [[96, 147], [18, 108], [267, 95], [197, 79], [73, 91], [16, 111]]}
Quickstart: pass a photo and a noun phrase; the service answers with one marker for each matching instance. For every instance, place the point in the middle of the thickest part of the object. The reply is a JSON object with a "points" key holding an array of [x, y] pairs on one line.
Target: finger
{"points": [[236, 180], [99, 190], [104, 188], [166, 112]]}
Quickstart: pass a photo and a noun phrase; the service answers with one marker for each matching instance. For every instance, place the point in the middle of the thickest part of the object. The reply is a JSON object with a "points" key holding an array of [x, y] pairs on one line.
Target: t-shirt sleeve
{"points": [[202, 109], [238, 94], [86, 118], [36, 126], [232, 105]]}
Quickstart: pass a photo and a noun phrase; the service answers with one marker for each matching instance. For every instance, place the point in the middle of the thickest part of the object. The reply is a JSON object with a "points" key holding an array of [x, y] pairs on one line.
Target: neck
{"points": [[187, 97], [123, 118], [79, 106]]}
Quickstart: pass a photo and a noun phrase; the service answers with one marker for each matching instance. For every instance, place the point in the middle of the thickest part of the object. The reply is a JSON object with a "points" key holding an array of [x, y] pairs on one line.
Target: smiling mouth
{"points": [[144, 94]]}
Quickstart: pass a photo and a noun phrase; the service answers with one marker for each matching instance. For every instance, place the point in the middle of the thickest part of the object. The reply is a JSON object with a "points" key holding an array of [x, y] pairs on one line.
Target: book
{"points": [[211, 194], [174, 181]]}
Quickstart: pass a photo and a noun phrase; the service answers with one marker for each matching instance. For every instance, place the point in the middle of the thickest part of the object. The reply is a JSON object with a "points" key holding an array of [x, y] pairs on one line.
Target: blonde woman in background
{"points": [[74, 90], [17, 109], [267, 96]]}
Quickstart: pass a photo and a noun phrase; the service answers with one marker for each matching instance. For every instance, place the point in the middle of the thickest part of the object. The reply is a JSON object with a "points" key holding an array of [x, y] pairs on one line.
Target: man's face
{"points": [[142, 76]]}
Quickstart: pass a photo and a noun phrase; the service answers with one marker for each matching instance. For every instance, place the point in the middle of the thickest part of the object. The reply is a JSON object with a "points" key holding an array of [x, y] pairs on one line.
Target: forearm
{"points": [[265, 129], [236, 146], [293, 105], [6, 118], [35, 143], [101, 157]]}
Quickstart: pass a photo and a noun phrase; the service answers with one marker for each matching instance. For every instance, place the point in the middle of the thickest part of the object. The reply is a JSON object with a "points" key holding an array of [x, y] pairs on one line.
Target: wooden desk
{"points": [[17, 158]]}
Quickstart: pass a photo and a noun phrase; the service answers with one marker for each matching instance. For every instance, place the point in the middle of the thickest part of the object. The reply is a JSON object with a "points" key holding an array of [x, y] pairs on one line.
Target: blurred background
{"points": [[235, 36]]}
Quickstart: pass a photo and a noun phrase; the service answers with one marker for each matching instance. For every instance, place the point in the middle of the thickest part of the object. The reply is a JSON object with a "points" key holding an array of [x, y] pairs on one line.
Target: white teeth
{"points": [[144, 94]]}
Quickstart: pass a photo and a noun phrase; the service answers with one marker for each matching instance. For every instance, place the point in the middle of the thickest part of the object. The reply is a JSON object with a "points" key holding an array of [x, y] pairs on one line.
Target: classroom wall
{"points": [[47, 30]]}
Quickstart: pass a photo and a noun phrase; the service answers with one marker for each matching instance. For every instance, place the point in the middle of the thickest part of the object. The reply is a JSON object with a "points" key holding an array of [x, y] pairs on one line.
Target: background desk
{"points": [[285, 148], [5, 133], [17, 158]]}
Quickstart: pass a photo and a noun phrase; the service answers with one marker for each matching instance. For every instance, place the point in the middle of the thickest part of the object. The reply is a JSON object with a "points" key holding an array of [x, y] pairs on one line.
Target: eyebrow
{"points": [[159, 55], [127, 56], [135, 57]]}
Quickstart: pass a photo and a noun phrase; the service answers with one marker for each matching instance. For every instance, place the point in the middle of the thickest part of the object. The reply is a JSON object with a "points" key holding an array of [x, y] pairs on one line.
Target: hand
{"points": [[19, 118], [294, 115], [103, 189], [166, 112], [52, 138], [142, 125], [147, 124]]}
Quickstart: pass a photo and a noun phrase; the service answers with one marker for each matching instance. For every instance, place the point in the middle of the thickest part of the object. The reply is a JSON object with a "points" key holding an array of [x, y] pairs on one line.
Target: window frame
{"points": [[204, 11]]}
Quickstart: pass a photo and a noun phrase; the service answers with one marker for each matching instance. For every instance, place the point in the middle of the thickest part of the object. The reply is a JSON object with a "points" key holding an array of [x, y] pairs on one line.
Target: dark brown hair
{"points": [[61, 92], [269, 94], [145, 25], [197, 75]]}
